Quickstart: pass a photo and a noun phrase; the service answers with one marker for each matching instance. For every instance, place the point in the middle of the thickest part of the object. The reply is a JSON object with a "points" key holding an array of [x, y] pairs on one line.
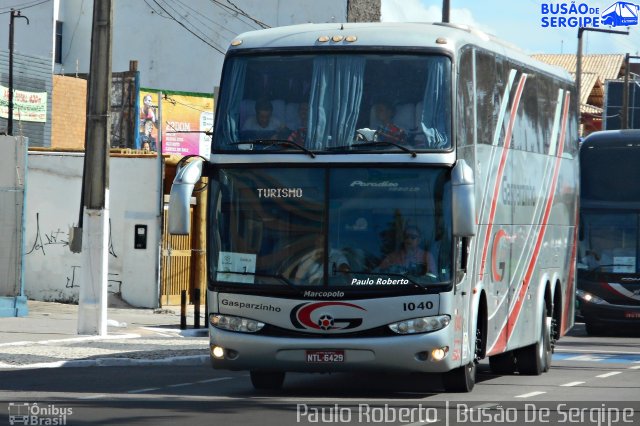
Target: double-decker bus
{"points": [[608, 268], [387, 197]]}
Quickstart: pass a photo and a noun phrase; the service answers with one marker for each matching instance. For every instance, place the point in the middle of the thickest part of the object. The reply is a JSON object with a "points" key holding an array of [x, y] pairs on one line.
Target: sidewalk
{"points": [[48, 337]]}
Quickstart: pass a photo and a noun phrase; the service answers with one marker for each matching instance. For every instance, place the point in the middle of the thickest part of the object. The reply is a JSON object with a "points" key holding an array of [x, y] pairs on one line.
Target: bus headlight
{"points": [[420, 325], [232, 323], [590, 298]]}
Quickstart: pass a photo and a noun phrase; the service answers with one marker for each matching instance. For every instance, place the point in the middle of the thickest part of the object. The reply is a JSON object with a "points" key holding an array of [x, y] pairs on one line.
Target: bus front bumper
{"points": [[408, 353]]}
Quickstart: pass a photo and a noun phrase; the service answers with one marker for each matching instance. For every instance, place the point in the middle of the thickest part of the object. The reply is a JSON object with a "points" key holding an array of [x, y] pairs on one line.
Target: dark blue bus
{"points": [[608, 263]]}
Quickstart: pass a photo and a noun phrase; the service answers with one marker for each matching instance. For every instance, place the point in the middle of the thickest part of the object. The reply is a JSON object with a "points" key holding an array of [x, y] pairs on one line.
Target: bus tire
{"points": [[461, 379], [504, 363], [535, 359], [592, 329], [267, 380]]}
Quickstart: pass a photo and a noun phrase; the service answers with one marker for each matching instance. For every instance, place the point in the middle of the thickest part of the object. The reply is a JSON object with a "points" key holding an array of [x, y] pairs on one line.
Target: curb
{"points": [[73, 340], [190, 360]]}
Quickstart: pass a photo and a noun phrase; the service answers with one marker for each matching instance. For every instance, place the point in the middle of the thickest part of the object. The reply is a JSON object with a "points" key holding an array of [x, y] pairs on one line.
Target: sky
{"points": [[520, 23]]}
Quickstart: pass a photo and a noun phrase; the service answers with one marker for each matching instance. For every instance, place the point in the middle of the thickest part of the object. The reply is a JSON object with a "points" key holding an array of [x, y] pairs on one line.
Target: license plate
{"points": [[325, 356], [635, 315]]}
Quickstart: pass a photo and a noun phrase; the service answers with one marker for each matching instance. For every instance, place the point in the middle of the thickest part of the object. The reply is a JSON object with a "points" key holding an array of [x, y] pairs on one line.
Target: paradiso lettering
{"points": [[569, 15]]}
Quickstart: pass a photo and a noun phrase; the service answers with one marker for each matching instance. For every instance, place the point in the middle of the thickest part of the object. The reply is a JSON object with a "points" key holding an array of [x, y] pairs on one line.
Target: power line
{"points": [[196, 14], [262, 24], [237, 11], [155, 11], [183, 16], [22, 7], [188, 29]]}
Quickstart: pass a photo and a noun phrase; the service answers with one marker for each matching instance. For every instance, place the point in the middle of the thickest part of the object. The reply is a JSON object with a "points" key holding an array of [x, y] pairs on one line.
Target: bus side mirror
{"points": [[180, 198], [463, 200]]}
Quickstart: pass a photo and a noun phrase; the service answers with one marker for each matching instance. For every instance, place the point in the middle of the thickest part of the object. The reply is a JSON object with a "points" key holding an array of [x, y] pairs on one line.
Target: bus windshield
{"points": [[334, 103], [322, 227], [609, 242]]}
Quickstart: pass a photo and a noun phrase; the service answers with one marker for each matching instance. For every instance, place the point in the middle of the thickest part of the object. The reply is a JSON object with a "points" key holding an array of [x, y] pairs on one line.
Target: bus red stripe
{"points": [[507, 330], [569, 295], [501, 166]]}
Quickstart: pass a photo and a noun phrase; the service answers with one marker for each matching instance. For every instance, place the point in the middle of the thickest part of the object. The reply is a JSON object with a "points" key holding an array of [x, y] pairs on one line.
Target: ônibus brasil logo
{"points": [[574, 14], [310, 315]]}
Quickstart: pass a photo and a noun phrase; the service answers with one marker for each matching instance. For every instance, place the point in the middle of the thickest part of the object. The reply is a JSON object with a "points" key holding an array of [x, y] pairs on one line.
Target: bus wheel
{"points": [[267, 380], [592, 329], [461, 379], [535, 359], [505, 363]]}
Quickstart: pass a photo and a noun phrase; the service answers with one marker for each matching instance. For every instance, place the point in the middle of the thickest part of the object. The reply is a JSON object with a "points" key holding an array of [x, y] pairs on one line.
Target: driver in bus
{"points": [[410, 257], [263, 121], [387, 131]]}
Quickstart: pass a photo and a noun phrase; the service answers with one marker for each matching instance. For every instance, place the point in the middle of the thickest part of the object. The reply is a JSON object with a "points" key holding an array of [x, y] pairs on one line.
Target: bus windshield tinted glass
{"points": [[610, 174], [332, 102], [608, 242], [364, 227]]}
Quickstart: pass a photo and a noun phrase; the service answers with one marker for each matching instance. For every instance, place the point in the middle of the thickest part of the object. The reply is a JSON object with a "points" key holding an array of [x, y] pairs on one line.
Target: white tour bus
{"points": [[387, 197]]}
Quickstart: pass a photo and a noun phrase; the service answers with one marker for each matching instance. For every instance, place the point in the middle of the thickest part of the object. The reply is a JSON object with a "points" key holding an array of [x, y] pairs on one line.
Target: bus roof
{"points": [[612, 138], [378, 34]]}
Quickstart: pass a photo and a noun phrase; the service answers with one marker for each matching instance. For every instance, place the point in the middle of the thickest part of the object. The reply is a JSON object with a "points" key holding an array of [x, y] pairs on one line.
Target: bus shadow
{"points": [[367, 386]]}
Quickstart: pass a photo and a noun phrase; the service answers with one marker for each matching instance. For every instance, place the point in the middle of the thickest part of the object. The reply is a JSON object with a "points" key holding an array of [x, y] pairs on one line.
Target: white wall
{"points": [[35, 39], [169, 57], [52, 272]]}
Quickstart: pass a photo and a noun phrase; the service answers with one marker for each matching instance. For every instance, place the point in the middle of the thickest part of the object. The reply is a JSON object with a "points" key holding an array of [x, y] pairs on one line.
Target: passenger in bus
{"points": [[410, 257], [387, 131], [310, 268], [300, 134], [264, 121]]}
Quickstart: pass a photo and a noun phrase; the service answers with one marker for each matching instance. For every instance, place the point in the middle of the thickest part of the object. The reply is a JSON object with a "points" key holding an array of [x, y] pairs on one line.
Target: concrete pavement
{"points": [[47, 337]]}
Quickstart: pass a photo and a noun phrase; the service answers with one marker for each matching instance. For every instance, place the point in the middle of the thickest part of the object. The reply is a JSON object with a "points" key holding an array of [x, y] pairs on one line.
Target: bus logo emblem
{"points": [[304, 316]]}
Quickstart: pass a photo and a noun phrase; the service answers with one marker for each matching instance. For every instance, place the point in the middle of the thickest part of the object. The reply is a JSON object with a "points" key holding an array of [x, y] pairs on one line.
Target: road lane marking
{"points": [[572, 384], [530, 394], [598, 351], [483, 406], [425, 422], [143, 390], [100, 395], [214, 380], [178, 385], [613, 373]]}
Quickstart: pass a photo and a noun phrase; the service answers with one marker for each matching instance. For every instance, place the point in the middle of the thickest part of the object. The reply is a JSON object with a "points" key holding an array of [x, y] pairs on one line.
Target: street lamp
{"points": [[14, 14], [579, 58]]}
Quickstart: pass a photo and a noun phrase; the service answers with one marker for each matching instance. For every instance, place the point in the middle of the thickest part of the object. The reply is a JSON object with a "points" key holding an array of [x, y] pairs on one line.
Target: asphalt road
{"points": [[596, 378]]}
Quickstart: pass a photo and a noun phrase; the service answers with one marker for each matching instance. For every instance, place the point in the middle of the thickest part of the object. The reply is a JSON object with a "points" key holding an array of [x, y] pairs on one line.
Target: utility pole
{"points": [[446, 7], [92, 309], [579, 61], [14, 14]]}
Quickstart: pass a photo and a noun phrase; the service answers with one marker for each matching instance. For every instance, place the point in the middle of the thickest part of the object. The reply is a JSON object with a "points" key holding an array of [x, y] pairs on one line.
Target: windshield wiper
{"points": [[276, 142], [613, 265], [385, 143], [259, 274]]}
